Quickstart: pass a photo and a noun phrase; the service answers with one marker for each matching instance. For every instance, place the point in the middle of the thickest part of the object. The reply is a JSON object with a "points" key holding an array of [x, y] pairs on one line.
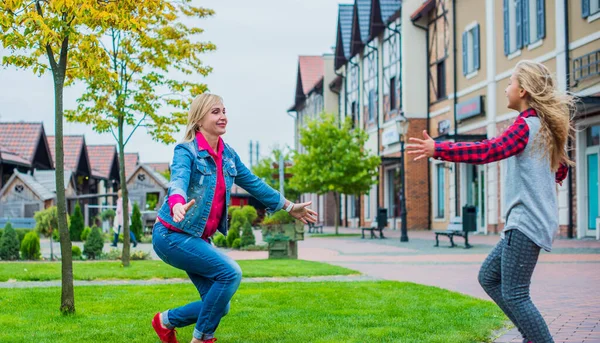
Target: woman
{"points": [[204, 169], [120, 220]]}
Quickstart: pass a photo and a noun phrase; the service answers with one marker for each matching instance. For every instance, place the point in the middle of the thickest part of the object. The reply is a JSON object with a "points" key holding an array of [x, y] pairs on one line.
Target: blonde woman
{"points": [[204, 169], [534, 147]]}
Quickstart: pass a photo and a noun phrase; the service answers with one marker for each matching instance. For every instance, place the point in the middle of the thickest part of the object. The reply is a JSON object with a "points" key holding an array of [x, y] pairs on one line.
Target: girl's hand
{"points": [[303, 213], [179, 210], [422, 147]]}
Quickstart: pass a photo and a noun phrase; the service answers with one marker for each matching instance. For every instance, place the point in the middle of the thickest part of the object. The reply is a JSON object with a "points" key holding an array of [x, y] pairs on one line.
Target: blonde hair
{"points": [[200, 107], [553, 108]]}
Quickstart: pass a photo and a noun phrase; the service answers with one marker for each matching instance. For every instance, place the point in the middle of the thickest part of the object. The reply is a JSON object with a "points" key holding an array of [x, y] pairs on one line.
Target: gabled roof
{"points": [[131, 161], [310, 73], [47, 178], [360, 25], [344, 33], [382, 13], [102, 160], [427, 6], [156, 175], [40, 190], [21, 143], [75, 153]]}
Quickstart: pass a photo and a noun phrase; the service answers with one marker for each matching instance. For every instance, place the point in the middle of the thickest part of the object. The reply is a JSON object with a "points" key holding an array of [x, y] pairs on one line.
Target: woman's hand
{"points": [[421, 147], [179, 210], [303, 213]]}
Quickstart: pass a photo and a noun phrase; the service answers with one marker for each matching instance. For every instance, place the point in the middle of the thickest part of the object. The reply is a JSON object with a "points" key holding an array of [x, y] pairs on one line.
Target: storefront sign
{"points": [[390, 136], [470, 108]]}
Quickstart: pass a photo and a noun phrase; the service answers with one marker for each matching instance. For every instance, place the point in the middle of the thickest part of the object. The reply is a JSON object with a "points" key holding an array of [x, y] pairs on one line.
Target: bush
{"points": [[30, 246], [220, 240], [232, 235], [86, 232], [112, 254], [76, 227], [232, 210], [279, 217], [255, 248], [76, 251], [56, 235], [140, 255], [136, 222], [94, 244], [250, 214], [117, 254], [108, 214], [237, 243], [237, 220], [247, 235], [9, 244], [146, 239]]}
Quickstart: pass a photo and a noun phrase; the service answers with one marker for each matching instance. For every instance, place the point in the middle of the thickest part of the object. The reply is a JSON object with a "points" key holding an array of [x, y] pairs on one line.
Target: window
{"points": [[372, 104], [441, 79], [353, 113], [524, 23], [589, 7], [593, 135], [440, 191], [470, 53], [370, 65], [393, 93]]}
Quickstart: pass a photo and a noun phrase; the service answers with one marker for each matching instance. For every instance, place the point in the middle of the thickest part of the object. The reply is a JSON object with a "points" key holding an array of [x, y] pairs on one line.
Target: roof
{"points": [[388, 9], [344, 34], [156, 175], [19, 141], [72, 147], [160, 167], [47, 178], [40, 190], [424, 9], [131, 161], [382, 13], [101, 159], [361, 21], [311, 70]]}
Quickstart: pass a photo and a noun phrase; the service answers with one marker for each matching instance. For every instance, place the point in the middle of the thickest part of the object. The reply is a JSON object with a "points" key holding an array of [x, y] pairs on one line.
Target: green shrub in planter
{"points": [[30, 246], [9, 244]]}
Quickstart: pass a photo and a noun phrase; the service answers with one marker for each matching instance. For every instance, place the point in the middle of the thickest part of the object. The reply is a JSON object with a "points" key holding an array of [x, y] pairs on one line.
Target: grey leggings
{"points": [[506, 275]]}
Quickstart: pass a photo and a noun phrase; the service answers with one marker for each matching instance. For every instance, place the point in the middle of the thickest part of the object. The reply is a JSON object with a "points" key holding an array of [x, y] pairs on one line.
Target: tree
{"points": [[9, 244], [143, 65], [30, 246], [94, 244], [136, 222], [166, 174], [335, 160], [59, 37], [76, 227], [46, 222], [265, 170]]}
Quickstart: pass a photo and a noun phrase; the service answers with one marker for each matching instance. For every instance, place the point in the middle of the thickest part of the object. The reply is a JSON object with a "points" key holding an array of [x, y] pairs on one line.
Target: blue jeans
{"points": [[131, 237], [215, 275]]}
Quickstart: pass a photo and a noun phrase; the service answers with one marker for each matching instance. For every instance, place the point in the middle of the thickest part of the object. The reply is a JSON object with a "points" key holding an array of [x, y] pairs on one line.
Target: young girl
{"points": [[534, 147], [204, 169]]}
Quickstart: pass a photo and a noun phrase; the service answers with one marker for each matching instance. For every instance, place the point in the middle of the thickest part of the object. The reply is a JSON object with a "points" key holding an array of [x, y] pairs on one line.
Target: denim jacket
{"points": [[194, 176]]}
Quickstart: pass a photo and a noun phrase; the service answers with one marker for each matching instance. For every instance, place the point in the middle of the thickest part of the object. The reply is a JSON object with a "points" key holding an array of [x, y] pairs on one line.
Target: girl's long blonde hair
{"points": [[200, 107], [553, 107]]}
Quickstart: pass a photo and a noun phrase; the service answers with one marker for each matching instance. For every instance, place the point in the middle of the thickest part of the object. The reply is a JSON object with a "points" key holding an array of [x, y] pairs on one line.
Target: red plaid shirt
{"points": [[511, 142]]}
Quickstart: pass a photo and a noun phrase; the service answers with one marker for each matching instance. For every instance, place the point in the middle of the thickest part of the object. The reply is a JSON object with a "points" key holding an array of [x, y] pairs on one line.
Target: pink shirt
{"points": [[218, 204]]}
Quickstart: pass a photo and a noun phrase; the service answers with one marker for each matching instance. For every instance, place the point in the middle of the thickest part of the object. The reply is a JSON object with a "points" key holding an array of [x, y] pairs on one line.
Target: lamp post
{"points": [[402, 128]]}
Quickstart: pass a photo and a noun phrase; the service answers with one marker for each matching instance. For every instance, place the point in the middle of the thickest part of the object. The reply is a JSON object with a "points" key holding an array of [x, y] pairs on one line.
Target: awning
{"points": [[588, 106]]}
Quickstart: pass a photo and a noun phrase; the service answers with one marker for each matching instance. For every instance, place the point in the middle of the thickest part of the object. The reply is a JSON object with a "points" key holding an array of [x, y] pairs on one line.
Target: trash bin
{"points": [[382, 217], [469, 218]]}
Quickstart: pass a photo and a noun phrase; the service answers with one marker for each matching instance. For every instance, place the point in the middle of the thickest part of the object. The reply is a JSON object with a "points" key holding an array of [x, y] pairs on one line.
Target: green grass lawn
{"points": [[139, 270], [261, 312]]}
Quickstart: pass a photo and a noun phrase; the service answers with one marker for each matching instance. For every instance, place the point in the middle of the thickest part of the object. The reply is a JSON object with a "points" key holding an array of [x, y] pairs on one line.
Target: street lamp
{"points": [[402, 128]]}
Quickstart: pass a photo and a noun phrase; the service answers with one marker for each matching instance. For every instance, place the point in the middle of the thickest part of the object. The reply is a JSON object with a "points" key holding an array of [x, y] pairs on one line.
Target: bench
{"points": [[372, 229], [455, 228], [314, 227]]}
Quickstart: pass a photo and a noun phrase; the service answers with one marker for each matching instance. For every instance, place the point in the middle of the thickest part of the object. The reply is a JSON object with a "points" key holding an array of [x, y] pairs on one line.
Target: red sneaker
{"points": [[165, 335], [212, 340]]}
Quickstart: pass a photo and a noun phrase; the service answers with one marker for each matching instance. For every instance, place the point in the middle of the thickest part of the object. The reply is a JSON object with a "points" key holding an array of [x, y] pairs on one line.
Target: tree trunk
{"points": [[337, 211], [125, 195], [67, 301], [51, 248]]}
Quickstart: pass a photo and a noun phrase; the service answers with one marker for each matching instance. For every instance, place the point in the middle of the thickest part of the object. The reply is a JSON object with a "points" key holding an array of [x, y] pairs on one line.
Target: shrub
{"points": [[250, 214], [220, 240], [76, 227], [279, 217], [9, 244], [236, 243], [140, 255], [30, 246], [232, 235], [136, 222], [86, 232], [247, 235], [94, 244], [255, 248], [76, 251]]}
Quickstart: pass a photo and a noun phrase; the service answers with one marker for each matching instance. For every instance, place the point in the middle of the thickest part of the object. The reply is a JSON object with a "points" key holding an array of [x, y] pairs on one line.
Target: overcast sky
{"points": [[255, 65]]}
